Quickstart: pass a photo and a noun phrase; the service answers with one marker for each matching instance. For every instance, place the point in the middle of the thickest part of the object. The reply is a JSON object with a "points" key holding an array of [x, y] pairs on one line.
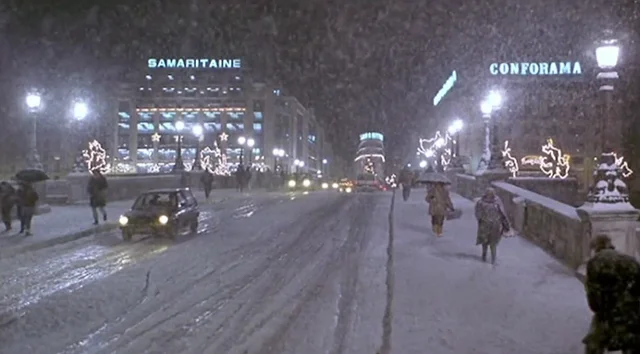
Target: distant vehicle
{"points": [[301, 182], [345, 186], [368, 182], [161, 212]]}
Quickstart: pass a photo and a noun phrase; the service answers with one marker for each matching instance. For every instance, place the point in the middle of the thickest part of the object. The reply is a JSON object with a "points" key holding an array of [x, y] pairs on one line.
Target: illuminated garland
{"points": [[555, 164], [96, 158], [428, 147], [621, 164], [369, 166], [511, 162], [218, 167]]}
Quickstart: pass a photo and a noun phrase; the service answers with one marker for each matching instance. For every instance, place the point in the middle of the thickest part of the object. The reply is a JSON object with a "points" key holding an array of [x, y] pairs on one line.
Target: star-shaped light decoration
{"points": [[155, 137], [224, 136]]}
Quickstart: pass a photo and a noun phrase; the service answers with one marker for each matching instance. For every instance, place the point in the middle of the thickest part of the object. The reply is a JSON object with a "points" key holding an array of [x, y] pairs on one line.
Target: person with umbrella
{"points": [[438, 198]]}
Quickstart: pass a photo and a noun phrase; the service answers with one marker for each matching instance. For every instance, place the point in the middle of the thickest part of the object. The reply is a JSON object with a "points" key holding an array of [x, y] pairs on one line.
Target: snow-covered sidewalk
{"points": [[71, 222], [446, 300]]}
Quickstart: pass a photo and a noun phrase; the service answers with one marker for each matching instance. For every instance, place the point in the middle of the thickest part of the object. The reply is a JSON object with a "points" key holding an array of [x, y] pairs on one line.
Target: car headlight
{"points": [[163, 219], [292, 184], [335, 186], [325, 185], [306, 183], [348, 190], [123, 220]]}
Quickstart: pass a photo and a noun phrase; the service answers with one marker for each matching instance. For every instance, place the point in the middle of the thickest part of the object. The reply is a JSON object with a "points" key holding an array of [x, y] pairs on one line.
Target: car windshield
{"points": [[156, 200]]}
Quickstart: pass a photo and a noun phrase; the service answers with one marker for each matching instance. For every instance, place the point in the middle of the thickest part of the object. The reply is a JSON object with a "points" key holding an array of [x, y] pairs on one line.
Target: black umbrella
{"points": [[433, 177], [31, 175]]}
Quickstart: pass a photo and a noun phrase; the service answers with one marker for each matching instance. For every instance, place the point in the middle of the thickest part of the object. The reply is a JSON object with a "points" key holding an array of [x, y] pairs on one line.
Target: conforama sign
{"points": [[550, 68]]}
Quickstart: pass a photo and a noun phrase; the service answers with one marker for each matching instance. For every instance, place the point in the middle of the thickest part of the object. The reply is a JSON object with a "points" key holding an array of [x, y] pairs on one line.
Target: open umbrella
{"points": [[433, 177], [31, 175]]}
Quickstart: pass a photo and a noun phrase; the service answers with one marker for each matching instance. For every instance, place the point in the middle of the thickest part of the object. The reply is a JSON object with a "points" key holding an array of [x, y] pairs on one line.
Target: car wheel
{"points": [[194, 225], [173, 231], [127, 235]]}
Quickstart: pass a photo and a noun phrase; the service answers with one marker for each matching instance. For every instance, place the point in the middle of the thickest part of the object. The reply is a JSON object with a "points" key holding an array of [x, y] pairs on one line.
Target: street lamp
{"points": [[198, 132], [80, 110], [298, 164], [454, 131], [277, 153], [179, 163], [607, 55], [34, 102], [249, 142], [423, 164], [491, 156]]}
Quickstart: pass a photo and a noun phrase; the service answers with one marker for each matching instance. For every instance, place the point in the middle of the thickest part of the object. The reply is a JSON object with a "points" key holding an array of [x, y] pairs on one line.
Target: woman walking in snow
{"points": [[439, 205], [492, 223]]}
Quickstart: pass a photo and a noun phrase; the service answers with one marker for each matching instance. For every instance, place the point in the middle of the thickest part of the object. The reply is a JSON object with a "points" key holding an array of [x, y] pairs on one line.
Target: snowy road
{"points": [[288, 274], [277, 273]]}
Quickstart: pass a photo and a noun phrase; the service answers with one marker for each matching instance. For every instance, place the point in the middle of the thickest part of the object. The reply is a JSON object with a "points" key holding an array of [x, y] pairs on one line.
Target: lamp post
{"points": [[298, 164], [241, 141], [198, 132], [607, 54], [491, 156], [324, 166], [34, 103], [277, 153], [250, 144], [179, 163], [454, 132]]}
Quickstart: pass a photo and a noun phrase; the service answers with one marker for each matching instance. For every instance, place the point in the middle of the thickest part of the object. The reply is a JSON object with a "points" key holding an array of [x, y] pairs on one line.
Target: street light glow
{"points": [[456, 126], [197, 130], [607, 56], [486, 107], [33, 101], [429, 153], [423, 164], [80, 110], [179, 125], [251, 142], [242, 140], [495, 99], [324, 161], [440, 143]]}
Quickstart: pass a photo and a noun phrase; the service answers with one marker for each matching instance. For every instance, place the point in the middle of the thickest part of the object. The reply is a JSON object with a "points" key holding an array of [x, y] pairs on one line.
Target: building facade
{"points": [[370, 155], [556, 99], [220, 96]]}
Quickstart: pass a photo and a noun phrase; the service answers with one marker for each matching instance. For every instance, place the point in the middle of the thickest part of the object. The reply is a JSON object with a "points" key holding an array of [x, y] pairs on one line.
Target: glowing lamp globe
{"points": [[242, 140], [607, 56], [197, 130], [456, 126], [495, 98], [80, 110], [486, 107], [423, 164], [33, 101], [250, 142], [179, 125]]}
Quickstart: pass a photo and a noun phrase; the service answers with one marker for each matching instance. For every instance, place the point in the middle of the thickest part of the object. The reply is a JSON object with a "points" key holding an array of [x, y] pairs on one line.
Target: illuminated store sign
{"points": [[445, 88], [195, 63], [371, 136], [536, 69]]}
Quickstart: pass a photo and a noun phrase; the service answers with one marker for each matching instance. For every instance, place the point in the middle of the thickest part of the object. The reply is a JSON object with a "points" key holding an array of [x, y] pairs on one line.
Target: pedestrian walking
{"points": [[207, 182], [492, 223], [439, 206], [27, 198], [97, 189], [612, 287], [7, 201], [240, 177]]}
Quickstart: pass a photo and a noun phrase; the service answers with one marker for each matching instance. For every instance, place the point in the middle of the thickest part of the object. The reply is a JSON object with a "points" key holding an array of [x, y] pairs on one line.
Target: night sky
{"points": [[362, 64]]}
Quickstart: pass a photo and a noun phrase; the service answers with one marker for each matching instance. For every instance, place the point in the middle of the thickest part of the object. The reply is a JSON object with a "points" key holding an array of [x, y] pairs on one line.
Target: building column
{"points": [[156, 130], [133, 135]]}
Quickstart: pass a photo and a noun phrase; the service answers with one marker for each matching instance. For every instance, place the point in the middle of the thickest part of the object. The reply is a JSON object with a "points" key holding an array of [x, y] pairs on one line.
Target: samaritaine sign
{"points": [[196, 63], [536, 68]]}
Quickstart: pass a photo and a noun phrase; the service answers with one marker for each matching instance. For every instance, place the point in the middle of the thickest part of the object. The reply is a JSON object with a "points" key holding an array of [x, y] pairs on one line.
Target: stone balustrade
{"points": [[562, 190], [566, 231]]}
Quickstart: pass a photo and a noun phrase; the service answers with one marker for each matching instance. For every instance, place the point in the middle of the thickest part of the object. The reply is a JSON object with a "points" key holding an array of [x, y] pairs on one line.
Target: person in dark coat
{"points": [[240, 176], [207, 182], [406, 182], [97, 190], [613, 292], [492, 223], [247, 177], [7, 201], [27, 198]]}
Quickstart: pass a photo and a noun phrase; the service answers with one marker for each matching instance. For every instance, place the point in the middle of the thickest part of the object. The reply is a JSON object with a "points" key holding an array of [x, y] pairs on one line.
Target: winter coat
{"points": [[206, 179], [97, 189], [27, 197], [492, 220], [613, 292], [7, 196], [439, 200], [405, 177]]}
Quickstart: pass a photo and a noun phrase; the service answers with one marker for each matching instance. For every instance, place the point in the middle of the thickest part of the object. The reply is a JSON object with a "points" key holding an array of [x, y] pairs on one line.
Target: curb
{"points": [[16, 250]]}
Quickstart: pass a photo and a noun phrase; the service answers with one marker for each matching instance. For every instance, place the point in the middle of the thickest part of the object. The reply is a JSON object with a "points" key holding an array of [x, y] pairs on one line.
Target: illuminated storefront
{"points": [[370, 154], [216, 94]]}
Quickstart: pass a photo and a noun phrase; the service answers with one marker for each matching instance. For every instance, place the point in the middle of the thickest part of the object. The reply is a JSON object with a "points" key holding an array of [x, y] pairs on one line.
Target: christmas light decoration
{"points": [[621, 164], [445, 157], [154, 168], [427, 147], [224, 136], [532, 160], [124, 168], [555, 164], [96, 158], [217, 166], [155, 137], [511, 162], [369, 166]]}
